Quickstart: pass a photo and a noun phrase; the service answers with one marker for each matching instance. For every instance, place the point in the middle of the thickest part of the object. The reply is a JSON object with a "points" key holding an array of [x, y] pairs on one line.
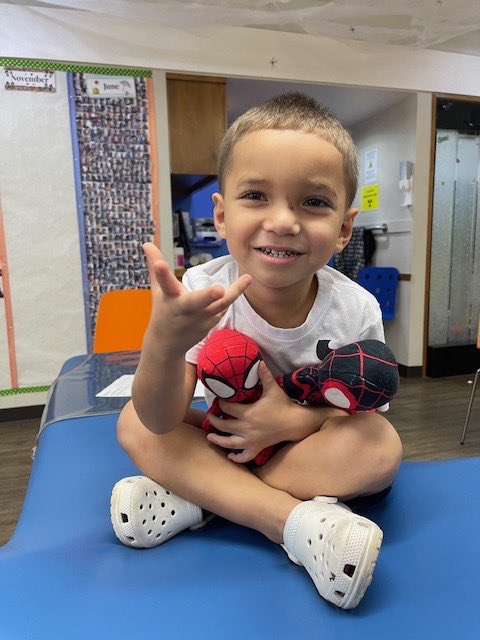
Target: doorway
{"points": [[454, 299]]}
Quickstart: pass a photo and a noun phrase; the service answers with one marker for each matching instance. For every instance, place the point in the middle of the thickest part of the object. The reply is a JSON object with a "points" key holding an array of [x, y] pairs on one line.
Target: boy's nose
{"points": [[282, 220]]}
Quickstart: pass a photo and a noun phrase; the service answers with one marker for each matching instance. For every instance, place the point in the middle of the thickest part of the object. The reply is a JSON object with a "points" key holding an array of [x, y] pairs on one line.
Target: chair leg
{"points": [[469, 408]]}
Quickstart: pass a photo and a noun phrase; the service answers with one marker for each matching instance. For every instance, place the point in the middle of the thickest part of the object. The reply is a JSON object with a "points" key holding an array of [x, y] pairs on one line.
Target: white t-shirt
{"points": [[342, 312]]}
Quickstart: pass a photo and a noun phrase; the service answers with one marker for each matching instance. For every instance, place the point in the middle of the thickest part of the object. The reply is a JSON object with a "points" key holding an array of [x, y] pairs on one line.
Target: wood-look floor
{"points": [[428, 413]]}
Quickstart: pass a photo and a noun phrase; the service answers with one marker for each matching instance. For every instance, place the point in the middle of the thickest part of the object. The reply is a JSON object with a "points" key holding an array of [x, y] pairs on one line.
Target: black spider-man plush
{"points": [[361, 376]]}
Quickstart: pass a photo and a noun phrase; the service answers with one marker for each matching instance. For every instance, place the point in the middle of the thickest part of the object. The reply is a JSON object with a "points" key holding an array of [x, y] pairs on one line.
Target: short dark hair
{"points": [[299, 112]]}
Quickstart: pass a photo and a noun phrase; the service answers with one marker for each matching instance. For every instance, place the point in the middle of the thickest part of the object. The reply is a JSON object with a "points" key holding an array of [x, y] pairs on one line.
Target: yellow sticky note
{"points": [[370, 197]]}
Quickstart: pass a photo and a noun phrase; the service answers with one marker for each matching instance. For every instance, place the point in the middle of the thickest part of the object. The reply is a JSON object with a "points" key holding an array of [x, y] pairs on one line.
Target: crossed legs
{"points": [[347, 457]]}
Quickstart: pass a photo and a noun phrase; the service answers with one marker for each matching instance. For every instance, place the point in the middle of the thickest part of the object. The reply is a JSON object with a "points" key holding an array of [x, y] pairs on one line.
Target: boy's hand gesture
{"points": [[181, 318]]}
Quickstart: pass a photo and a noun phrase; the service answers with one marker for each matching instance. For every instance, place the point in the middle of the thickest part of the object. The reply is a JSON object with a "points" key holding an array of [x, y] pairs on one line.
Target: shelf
{"points": [[186, 184]]}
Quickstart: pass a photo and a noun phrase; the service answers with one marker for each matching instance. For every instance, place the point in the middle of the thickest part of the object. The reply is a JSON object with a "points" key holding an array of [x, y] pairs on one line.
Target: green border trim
{"points": [[14, 392], [47, 65]]}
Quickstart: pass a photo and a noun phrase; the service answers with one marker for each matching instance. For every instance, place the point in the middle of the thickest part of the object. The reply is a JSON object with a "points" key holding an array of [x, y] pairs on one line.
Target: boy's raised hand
{"points": [[181, 318]]}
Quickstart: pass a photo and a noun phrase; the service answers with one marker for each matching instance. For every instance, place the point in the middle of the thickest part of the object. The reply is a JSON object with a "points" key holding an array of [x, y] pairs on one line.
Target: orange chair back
{"points": [[121, 320]]}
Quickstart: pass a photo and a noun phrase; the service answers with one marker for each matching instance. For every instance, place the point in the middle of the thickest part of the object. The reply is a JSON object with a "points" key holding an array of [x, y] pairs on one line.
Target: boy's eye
{"points": [[253, 195], [317, 202]]}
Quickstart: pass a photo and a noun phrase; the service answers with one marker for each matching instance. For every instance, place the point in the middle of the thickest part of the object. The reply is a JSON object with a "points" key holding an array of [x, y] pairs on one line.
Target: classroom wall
{"points": [[392, 133], [41, 233]]}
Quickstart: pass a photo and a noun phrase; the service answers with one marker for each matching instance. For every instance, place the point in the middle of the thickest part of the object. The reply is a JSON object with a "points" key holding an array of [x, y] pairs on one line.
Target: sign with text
{"points": [[370, 197], [370, 167], [28, 80], [110, 86]]}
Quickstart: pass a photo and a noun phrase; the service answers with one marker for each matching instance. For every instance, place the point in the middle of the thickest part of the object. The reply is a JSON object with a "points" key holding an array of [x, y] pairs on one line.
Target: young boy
{"points": [[287, 177]]}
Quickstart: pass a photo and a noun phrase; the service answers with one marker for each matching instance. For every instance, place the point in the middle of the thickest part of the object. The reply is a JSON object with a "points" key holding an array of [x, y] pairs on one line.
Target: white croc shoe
{"points": [[338, 548], [144, 514]]}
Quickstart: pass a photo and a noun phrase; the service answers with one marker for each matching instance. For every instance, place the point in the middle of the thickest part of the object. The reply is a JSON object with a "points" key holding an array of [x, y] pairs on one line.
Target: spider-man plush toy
{"points": [[361, 376]]}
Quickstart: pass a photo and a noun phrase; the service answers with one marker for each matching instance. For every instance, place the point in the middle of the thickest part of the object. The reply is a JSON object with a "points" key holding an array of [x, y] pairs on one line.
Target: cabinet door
{"points": [[197, 122]]}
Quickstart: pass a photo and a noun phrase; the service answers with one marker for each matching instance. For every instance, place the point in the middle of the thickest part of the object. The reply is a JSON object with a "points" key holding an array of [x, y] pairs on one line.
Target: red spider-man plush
{"points": [[228, 366], [357, 377]]}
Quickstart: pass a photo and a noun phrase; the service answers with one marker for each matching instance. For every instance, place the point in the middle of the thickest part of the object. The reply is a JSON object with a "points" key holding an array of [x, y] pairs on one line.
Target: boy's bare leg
{"points": [[188, 465], [350, 455]]}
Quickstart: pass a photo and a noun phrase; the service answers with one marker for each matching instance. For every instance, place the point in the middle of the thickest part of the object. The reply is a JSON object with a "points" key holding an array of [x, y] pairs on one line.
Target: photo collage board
{"points": [[114, 187]]}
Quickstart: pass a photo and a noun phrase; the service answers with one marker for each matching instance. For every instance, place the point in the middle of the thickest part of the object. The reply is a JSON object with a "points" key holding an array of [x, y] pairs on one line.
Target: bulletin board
{"points": [[78, 193], [113, 169]]}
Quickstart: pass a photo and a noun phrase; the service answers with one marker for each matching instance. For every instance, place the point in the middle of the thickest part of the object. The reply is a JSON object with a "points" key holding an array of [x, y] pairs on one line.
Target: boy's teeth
{"points": [[278, 254]]}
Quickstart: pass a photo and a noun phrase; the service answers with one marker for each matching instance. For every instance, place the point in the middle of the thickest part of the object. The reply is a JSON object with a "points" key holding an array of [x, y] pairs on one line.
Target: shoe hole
{"points": [[320, 536], [154, 493], [164, 522], [169, 534], [131, 538], [144, 522], [146, 494], [159, 535], [168, 493], [349, 569], [172, 512], [339, 593], [154, 518], [332, 526], [323, 520], [141, 506], [309, 542], [149, 532], [163, 505], [314, 558], [149, 506], [124, 517]]}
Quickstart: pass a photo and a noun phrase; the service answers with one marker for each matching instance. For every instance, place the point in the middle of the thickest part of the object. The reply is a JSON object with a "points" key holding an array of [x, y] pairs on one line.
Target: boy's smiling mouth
{"points": [[278, 253]]}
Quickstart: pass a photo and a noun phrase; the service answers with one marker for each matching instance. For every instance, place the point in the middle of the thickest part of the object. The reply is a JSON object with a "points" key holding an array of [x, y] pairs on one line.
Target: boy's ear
{"points": [[346, 230], [219, 214]]}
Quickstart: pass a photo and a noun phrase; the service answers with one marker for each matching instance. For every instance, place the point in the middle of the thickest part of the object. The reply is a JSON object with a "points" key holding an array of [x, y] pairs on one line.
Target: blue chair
{"points": [[382, 282]]}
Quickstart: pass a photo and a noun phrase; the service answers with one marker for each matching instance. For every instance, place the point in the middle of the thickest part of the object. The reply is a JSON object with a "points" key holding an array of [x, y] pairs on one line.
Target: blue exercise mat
{"points": [[64, 575]]}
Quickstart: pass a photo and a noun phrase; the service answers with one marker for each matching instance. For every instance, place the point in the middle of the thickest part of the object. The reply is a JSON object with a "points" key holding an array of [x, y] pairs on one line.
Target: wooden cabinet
{"points": [[197, 122]]}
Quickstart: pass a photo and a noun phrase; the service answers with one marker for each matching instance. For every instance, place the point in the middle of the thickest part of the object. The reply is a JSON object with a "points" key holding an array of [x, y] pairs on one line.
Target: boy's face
{"points": [[283, 212]]}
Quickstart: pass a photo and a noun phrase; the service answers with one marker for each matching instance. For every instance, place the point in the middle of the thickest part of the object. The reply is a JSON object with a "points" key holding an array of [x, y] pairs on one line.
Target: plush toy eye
{"points": [[252, 377], [219, 388]]}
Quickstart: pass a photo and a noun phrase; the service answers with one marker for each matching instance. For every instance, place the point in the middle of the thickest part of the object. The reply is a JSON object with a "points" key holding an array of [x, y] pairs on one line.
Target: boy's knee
{"points": [[123, 433], [387, 450], [370, 441]]}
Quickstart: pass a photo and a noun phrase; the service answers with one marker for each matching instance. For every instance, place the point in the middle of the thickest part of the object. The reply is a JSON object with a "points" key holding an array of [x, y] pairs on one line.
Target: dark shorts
{"points": [[364, 502]]}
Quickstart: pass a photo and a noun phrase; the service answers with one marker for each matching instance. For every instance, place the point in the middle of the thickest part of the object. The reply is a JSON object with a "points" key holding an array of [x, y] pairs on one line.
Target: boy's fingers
{"points": [[232, 292], [159, 272], [226, 442], [200, 300], [166, 280], [216, 300], [242, 456], [152, 255]]}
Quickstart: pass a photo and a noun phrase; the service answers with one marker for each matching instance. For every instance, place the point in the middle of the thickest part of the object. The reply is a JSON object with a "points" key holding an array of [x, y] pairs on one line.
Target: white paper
{"points": [[370, 167], [407, 199], [122, 388]]}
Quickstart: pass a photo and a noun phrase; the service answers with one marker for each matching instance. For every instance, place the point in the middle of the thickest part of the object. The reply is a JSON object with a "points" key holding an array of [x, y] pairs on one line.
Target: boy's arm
{"points": [[163, 384], [162, 394]]}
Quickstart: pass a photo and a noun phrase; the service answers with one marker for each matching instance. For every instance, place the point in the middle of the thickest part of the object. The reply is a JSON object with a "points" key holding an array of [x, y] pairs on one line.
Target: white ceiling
{"points": [[448, 25]]}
